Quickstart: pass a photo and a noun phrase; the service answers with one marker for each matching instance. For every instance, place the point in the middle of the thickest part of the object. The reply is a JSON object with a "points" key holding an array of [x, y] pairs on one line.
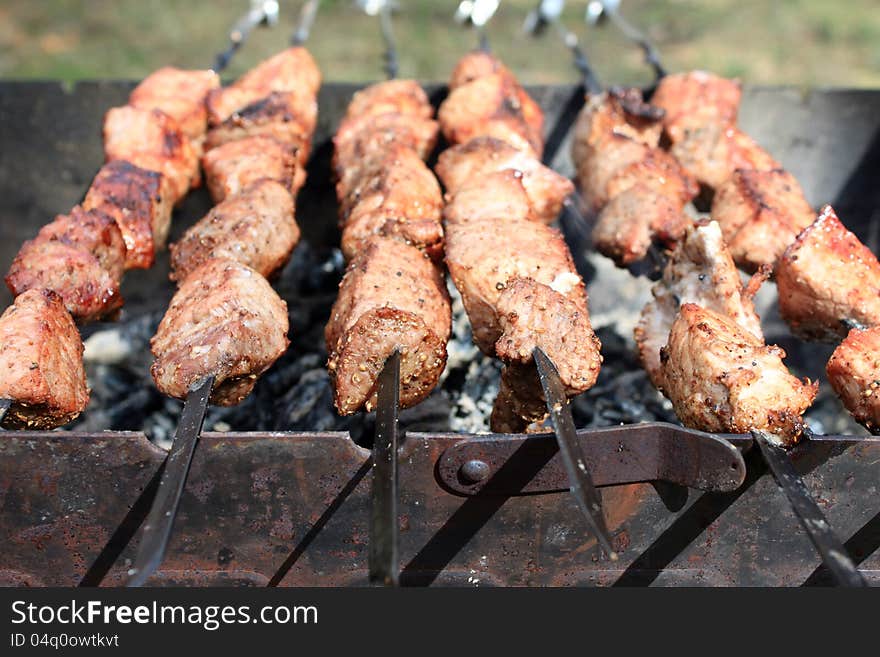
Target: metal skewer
{"points": [[597, 10], [477, 13], [262, 12], [580, 481], [306, 21], [4, 407], [548, 13], [159, 522], [384, 562], [826, 542], [384, 9]]}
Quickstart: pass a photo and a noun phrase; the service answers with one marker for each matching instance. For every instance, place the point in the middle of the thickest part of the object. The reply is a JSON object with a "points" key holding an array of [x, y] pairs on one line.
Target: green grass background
{"points": [[799, 42]]}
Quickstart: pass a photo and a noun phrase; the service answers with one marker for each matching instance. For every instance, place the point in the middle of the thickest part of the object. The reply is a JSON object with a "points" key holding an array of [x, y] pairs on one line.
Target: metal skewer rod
{"points": [[599, 9], [160, 520], [826, 542], [261, 12], [383, 9], [579, 478], [477, 13], [384, 561], [4, 407], [306, 21], [549, 12]]}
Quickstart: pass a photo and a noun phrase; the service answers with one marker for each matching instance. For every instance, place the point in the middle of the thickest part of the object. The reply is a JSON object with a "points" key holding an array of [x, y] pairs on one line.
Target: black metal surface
{"points": [[651, 452], [160, 519], [384, 558], [580, 481], [829, 546]]}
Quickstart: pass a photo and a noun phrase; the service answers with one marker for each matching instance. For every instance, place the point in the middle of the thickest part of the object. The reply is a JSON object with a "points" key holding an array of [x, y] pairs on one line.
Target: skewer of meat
{"points": [[635, 189], [78, 260], [226, 326], [526, 303], [714, 362]]}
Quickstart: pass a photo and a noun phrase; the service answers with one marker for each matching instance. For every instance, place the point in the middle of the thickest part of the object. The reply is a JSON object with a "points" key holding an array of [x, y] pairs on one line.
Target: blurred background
{"points": [[793, 42]]}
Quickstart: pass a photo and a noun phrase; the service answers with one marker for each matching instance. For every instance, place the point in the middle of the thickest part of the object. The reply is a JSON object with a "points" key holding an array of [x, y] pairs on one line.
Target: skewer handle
{"points": [[812, 519], [306, 20], [160, 520], [599, 9]]}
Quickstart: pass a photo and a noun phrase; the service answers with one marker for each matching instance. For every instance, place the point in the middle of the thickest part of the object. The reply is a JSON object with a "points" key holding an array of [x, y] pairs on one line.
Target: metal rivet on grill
{"points": [[474, 471]]}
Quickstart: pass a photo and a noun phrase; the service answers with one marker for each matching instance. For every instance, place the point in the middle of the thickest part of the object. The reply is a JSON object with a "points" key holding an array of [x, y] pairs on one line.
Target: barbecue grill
{"points": [[279, 492]]}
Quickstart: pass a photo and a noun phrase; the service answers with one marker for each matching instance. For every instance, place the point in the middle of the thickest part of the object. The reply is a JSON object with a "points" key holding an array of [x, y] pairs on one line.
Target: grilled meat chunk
{"points": [[154, 141], [492, 106], [499, 196], [760, 214], [292, 70], [854, 373], [287, 117], [533, 315], [41, 367], [391, 96], [461, 165], [700, 124], [235, 165], [694, 99], [140, 202], [225, 320], [486, 255], [79, 256], [722, 378], [620, 113], [360, 140], [826, 279], [634, 220], [179, 94], [699, 271], [392, 297], [255, 227], [393, 194]]}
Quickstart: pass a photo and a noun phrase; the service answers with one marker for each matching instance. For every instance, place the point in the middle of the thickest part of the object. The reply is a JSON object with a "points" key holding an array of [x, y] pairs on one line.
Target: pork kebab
{"points": [[226, 326], [71, 271], [514, 272]]}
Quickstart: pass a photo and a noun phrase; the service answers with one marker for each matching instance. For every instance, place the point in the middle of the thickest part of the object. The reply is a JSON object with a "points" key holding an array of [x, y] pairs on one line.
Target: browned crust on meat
{"points": [[234, 166], [140, 202], [826, 277], [854, 373], [41, 363]]}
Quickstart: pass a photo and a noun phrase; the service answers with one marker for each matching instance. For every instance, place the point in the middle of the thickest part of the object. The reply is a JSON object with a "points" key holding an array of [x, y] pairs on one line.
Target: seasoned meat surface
{"points": [[467, 163], [392, 297], [225, 320], [700, 271], [854, 373], [499, 197], [484, 257], [154, 141], [94, 231], [255, 227], [723, 378], [140, 202], [287, 117], [393, 194], [400, 96], [696, 98], [532, 315], [827, 278], [180, 94], [235, 165], [41, 367], [760, 214], [360, 140], [79, 256], [634, 220], [492, 106], [292, 70]]}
